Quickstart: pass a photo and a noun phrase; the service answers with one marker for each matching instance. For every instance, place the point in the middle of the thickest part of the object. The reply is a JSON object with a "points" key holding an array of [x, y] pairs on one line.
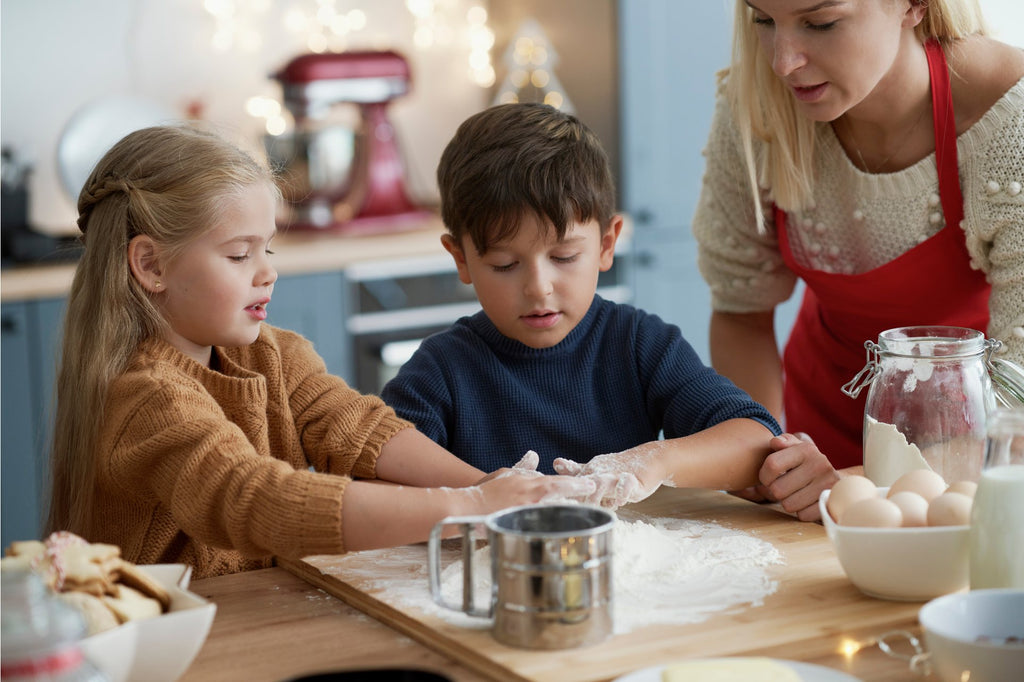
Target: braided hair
{"points": [[170, 183]]}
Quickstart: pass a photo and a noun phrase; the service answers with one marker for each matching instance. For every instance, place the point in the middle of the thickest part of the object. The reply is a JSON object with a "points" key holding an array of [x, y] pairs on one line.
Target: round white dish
{"points": [[900, 564], [975, 635], [156, 649]]}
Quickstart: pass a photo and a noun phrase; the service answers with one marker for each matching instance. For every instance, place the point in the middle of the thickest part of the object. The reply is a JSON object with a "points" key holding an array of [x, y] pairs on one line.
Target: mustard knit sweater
{"points": [[225, 469]]}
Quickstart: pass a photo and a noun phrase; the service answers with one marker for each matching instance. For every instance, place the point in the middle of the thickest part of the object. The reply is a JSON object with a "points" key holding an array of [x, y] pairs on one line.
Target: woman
{"points": [[874, 149]]}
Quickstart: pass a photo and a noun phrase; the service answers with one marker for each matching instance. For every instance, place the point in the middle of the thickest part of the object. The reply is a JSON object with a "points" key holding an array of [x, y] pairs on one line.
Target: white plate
{"points": [[808, 673], [94, 129]]}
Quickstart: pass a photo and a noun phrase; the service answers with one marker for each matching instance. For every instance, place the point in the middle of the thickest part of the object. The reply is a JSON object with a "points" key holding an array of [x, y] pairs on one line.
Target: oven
{"points": [[396, 303]]}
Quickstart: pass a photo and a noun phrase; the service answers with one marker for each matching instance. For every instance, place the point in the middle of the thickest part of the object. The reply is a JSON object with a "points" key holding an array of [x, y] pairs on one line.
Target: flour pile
{"points": [[665, 571], [670, 571]]}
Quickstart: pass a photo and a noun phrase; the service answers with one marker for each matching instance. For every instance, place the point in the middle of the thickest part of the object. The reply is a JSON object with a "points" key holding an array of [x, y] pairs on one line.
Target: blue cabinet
{"points": [[314, 305], [29, 348]]}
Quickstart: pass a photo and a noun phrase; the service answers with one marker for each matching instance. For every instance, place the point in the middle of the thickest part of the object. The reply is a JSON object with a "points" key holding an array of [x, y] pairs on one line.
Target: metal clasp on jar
{"points": [[1007, 377], [871, 369]]}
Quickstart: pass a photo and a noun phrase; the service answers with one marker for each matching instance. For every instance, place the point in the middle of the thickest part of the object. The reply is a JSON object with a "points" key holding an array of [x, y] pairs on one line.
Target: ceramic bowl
{"points": [[157, 649], [902, 564], [976, 635]]}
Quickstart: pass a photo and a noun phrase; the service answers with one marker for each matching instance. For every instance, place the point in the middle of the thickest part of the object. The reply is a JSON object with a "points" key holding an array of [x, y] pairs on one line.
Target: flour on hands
{"points": [[615, 478], [571, 489]]}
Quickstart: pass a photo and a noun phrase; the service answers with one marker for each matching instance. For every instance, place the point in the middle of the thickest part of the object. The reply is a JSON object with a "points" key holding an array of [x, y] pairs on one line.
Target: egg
{"points": [[873, 512], [913, 506], [924, 482], [847, 491], [966, 487], [950, 509]]}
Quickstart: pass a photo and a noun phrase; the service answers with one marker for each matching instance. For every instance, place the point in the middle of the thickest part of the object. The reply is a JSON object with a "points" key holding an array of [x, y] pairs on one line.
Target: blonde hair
{"points": [[763, 108], [170, 183]]}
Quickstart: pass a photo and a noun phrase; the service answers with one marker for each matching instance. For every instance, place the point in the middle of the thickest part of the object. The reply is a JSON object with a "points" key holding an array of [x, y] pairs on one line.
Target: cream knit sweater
{"points": [[861, 221], [212, 468]]}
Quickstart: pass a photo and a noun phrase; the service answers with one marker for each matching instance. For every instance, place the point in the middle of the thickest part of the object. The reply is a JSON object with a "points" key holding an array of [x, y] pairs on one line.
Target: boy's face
{"points": [[534, 288]]}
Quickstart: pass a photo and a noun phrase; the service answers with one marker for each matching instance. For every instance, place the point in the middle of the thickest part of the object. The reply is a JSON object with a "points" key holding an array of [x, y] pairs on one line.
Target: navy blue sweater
{"points": [[619, 379]]}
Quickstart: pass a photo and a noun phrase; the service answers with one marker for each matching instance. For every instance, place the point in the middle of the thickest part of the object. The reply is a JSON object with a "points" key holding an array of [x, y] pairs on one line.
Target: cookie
{"points": [[131, 575], [130, 604], [98, 616], [25, 548]]}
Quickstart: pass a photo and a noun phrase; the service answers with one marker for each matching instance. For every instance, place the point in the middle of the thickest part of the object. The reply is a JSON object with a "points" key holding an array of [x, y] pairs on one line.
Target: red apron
{"points": [[931, 284]]}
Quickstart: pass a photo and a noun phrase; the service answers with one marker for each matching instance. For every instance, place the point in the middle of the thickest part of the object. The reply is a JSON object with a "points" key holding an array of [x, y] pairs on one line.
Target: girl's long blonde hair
{"points": [[170, 183], [764, 109]]}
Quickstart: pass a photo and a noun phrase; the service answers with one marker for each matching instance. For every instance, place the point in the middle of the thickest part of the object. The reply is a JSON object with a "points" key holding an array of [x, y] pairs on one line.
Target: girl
{"points": [[874, 149], [186, 427]]}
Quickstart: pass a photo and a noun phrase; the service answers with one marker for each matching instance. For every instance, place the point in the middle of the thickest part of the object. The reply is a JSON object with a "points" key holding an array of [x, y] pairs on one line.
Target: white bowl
{"points": [[977, 635], [156, 649], [902, 564]]}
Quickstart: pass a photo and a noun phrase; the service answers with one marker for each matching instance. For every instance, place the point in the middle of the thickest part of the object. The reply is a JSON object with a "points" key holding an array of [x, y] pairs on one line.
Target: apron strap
{"points": [[945, 136]]}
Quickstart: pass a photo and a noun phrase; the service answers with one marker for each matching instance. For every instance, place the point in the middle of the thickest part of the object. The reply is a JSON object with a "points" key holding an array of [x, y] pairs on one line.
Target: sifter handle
{"points": [[466, 524]]}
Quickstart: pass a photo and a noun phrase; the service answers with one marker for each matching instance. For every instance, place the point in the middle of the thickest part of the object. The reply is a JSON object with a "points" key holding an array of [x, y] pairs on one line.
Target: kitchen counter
{"points": [[272, 625], [299, 252]]}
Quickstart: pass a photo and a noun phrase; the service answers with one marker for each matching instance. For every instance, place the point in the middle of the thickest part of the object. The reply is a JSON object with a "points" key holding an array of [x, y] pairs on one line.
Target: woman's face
{"points": [[834, 54]]}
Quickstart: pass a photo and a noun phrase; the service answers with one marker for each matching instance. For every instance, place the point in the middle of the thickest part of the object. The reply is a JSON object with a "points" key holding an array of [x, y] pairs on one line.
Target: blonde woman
{"points": [[186, 426], [875, 150]]}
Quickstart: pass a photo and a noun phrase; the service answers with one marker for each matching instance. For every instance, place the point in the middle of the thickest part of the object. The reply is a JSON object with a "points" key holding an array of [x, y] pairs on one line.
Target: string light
{"points": [[448, 24], [235, 24], [330, 25], [849, 647], [531, 62]]}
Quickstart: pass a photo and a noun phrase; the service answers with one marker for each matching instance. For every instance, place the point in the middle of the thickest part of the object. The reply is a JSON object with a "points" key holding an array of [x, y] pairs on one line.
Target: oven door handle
{"points": [[409, 318]]}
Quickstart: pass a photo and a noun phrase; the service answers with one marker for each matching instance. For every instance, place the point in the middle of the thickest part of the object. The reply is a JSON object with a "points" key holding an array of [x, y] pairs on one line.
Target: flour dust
{"points": [[665, 571]]}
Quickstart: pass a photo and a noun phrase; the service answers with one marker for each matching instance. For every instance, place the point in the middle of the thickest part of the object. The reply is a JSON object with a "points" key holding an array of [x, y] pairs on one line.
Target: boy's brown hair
{"points": [[513, 160]]}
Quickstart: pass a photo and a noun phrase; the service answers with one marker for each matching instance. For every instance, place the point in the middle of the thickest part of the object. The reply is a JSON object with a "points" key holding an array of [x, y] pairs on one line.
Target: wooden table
{"points": [[271, 625]]}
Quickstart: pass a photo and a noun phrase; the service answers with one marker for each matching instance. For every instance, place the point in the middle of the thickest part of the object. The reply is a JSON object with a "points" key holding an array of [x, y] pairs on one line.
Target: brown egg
{"points": [[924, 482], [847, 491], [966, 487], [913, 506], [950, 509], [873, 512]]}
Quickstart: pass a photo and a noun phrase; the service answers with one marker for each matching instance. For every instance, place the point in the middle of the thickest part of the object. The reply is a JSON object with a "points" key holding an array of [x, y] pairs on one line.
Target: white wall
{"points": [[1006, 20], [58, 55]]}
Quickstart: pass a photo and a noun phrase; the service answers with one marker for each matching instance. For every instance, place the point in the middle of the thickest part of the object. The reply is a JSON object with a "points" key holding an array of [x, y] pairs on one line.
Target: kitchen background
{"points": [[639, 72]]}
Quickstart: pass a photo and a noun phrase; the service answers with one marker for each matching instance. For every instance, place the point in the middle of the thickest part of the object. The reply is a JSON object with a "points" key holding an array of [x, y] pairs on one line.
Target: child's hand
{"points": [[518, 486], [616, 478], [526, 466], [794, 475]]}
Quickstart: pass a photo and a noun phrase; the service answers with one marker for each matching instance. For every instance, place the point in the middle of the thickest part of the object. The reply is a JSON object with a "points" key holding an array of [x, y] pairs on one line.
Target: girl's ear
{"points": [[144, 264], [459, 256]]}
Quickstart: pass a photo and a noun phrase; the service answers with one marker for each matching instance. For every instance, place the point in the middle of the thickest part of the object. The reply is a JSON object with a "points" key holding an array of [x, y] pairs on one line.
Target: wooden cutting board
{"points": [[814, 612]]}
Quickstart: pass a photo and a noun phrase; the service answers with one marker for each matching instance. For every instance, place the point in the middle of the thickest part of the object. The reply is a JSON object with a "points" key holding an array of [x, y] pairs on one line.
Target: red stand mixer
{"points": [[341, 168]]}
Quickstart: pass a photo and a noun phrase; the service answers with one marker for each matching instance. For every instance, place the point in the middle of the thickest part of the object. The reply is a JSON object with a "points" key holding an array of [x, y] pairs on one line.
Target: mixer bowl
{"points": [[313, 164]]}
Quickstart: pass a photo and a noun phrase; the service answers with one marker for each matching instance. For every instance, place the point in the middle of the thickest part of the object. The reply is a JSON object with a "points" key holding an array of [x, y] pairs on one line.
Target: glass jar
{"points": [[997, 534], [929, 397], [40, 634]]}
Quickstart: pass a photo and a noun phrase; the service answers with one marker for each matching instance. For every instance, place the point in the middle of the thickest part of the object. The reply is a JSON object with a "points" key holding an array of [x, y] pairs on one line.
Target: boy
{"points": [[527, 198]]}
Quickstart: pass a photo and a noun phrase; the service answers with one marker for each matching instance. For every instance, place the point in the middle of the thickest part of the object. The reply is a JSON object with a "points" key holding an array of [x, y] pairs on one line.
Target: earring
{"points": [[157, 284]]}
